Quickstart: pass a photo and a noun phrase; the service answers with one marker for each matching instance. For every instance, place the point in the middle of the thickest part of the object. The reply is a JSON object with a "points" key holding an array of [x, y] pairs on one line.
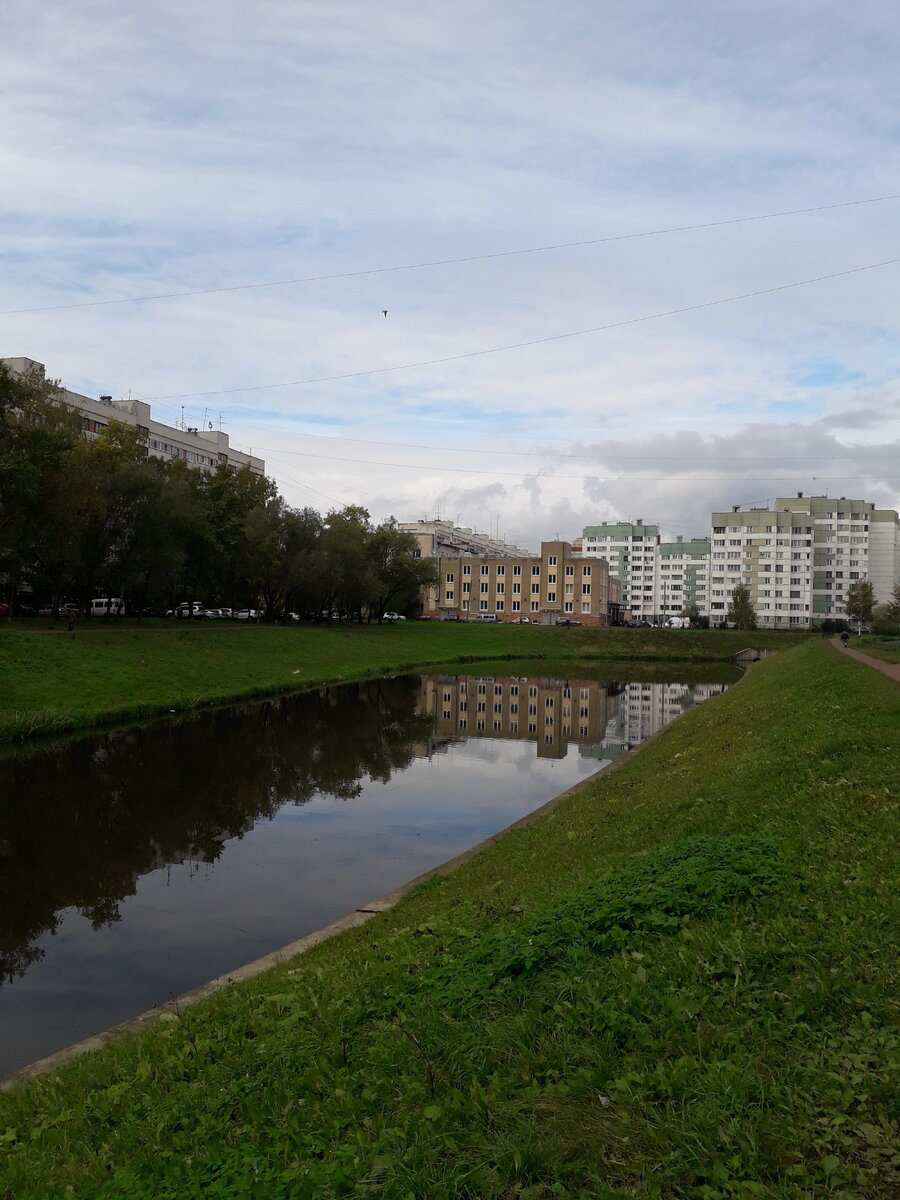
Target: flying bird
{"points": [[384, 312]]}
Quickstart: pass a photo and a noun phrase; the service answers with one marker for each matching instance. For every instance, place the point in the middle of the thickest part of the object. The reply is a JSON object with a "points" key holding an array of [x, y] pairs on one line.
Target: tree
{"points": [[860, 601], [348, 577], [892, 608], [37, 432], [398, 572], [741, 613]]}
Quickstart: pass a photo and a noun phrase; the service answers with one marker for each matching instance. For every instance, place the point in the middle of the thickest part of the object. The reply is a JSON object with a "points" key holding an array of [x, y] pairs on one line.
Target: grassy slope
{"points": [[54, 681], [570, 1014]]}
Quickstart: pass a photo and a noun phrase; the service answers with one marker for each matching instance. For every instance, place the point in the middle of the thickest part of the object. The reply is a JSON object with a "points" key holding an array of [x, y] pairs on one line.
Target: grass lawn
{"points": [[681, 983], [53, 680], [887, 648]]}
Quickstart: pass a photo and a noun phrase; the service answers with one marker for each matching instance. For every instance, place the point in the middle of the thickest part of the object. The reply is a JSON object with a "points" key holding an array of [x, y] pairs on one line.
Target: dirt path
{"points": [[892, 670]]}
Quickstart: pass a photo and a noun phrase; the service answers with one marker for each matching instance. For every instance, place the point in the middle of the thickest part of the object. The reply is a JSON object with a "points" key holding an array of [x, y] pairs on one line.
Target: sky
{"points": [[593, 227]]}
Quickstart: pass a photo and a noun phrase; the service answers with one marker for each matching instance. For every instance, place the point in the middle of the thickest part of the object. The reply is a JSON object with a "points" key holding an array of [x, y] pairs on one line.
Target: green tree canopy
{"points": [[741, 613], [860, 600]]}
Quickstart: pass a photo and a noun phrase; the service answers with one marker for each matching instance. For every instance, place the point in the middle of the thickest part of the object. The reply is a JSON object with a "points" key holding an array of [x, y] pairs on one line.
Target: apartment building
{"points": [[630, 550], [682, 576], [799, 558], [659, 579], [203, 449], [548, 589], [438, 539]]}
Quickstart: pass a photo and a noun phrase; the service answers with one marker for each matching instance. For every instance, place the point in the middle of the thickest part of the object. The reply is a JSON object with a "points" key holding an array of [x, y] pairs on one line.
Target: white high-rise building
{"points": [[799, 558], [659, 579]]}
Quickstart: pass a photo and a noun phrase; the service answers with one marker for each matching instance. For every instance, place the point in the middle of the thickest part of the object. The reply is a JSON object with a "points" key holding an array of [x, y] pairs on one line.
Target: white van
{"points": [[108, 606]]}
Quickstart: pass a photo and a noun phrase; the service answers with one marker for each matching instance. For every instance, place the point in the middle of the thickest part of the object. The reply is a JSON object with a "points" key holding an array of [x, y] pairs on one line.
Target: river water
{"points": [[137, 864]]}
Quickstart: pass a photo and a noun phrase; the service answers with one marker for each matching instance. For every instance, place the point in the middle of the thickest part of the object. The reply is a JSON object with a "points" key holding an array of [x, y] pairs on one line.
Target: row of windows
{"points": [[500, 570]]}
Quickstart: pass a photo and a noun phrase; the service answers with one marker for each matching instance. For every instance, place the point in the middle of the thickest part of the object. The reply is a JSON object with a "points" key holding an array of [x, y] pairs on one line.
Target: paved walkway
{"points": [[892, 670]]}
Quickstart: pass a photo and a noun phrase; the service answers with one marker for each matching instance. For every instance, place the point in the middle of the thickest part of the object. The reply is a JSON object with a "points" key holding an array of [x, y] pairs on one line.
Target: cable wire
{"points": [[556, 337], [444, 262], [369, 462]]}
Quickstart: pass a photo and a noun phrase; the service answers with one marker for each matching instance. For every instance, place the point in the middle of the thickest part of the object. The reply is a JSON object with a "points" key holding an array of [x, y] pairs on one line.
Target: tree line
{"points": [[83, 518]]}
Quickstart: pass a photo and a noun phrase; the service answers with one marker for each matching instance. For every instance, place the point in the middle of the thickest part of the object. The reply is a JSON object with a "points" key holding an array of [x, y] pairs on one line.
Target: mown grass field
{"points": [[681, 983], [53, 680]]}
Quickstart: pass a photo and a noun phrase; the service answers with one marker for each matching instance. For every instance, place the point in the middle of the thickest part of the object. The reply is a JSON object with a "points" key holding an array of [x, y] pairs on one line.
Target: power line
{"points": [[444, 262], [557, 337], [539, 475], [493, 451]]}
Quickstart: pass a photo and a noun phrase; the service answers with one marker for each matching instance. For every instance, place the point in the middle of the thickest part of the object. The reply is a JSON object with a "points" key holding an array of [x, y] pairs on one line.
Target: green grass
{"points": [[886, 648], [54, 681], [681, 983]]}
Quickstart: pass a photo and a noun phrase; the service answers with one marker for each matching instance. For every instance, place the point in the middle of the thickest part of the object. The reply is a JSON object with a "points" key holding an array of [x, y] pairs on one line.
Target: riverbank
{"points": [[678, 984], [55, 681]]}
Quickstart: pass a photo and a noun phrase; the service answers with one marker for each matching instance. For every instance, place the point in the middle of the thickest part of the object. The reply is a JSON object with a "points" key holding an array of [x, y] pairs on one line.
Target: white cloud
{"points": [[167, 147]]}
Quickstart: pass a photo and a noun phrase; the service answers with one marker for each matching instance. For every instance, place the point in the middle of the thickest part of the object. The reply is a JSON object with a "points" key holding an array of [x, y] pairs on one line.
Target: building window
{"points": [[551, 561], [516, 605], [501, 570], [482, 605], [499, 606], [551, 597], [467, 570], [517, 570], [485, 568], [585, 571], [535, 606], [449, 577]]}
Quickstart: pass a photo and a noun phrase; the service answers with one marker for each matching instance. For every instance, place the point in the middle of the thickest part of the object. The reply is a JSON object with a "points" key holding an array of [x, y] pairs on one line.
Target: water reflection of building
{"points": [[550, 712], [645, 708]]}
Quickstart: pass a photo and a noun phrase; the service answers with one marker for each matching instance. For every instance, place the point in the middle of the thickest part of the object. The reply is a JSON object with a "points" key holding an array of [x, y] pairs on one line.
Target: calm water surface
{"points": [[136, 865]]}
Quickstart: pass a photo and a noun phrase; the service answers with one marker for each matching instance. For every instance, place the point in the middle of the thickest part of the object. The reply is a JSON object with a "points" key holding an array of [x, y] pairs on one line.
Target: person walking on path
{"points": [[892, 670], [845, 638]]}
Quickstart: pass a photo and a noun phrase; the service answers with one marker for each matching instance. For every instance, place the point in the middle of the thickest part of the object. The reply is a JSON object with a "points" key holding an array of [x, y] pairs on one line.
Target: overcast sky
{"points": [[167, 147]]}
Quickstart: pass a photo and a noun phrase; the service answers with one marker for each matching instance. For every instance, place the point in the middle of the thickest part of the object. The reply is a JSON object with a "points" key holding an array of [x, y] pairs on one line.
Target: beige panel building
{"points": [[546, 590], [203, 449]]}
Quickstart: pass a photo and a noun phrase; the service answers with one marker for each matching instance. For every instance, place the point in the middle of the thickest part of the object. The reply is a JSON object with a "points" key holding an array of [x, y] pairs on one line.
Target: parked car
{"points": [[521, 621], [246, 614], [567, 621], [108, 606], [187, 609], [5, 610], [392, 616]]}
